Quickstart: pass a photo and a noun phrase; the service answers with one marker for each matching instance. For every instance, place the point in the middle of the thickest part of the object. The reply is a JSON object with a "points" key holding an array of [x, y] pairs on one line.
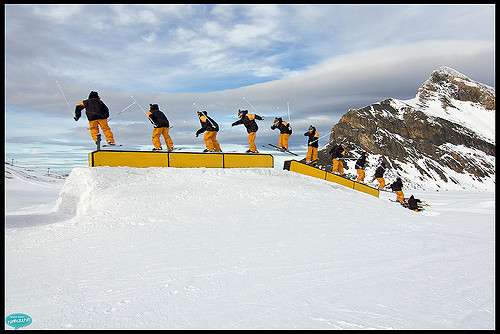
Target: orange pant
{"points": [[401, 196], [382, 182], [157, 132], [361, 175], [94, 129], [283, 141], [251, 141], [211, 141], [312, 155], [338, 166]]}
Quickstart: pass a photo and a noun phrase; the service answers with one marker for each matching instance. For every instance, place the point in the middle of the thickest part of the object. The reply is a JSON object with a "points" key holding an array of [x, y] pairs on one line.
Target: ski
{"points": [[174, 149], [109, 145], [279, 149]]}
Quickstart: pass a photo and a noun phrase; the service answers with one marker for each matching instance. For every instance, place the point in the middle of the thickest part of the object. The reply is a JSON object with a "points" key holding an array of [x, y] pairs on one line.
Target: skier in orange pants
{"points": [[97, 113], [285, 132], [397, 187], [379, 175], [312, 146], [249, 121], [211, 128], [337, 152], [360, 167], [161, 127]]}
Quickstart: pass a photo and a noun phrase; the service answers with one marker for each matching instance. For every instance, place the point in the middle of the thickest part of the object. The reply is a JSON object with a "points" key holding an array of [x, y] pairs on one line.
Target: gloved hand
{"points": [[76, 118]]}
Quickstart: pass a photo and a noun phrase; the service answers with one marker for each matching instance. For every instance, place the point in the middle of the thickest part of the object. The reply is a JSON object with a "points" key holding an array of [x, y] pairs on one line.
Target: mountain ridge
{"points": [[443, 138]]}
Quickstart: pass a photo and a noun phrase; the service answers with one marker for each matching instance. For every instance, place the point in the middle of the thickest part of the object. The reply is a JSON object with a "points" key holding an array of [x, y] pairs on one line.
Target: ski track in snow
{"points": [[153, 248]]}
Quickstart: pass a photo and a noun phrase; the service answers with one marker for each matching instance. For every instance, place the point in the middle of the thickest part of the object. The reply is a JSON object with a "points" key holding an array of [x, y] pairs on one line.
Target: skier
{"points": [[413, 203], [210, 127], [249, 121], [397, 187], [379, 175], [312, 146], [161, 127], [360, 166], [285, 132], [337, 152], [97, 114]]}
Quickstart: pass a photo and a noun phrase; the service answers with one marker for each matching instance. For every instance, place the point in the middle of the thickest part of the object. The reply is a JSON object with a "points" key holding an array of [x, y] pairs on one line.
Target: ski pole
{"points": [[145, 113], [315, 140], [64, 95], [121, 111], [250, 104], [288, 107]]}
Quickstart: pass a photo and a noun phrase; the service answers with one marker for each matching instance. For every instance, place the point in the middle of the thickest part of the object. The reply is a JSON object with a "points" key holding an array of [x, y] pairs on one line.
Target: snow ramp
{"points": [[128, 191]]}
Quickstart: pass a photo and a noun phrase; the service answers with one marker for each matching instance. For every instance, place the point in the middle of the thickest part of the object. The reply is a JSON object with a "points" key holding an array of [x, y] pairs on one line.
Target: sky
{"points": [[308, 64]]}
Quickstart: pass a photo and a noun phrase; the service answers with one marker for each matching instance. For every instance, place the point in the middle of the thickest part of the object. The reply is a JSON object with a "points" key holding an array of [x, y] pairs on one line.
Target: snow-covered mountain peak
{"points": [[445, 136], [452, 96], [447, 86]]}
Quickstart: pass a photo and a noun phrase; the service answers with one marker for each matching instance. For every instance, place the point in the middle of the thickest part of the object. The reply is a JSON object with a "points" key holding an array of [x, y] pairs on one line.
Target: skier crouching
{"points": [[285, 132]]}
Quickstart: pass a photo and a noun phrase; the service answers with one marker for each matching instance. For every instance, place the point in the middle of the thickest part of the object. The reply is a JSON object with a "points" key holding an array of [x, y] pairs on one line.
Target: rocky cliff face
{"points": [[444, 138]]}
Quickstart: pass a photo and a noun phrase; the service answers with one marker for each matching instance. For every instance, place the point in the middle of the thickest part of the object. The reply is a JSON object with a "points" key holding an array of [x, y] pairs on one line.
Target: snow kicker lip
{"points": [[116, 158]]}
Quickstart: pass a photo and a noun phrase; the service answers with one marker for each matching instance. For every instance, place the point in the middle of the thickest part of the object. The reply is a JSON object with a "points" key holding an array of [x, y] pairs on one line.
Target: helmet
{"points": [[242, 113], [153, 107], [277, 120]]}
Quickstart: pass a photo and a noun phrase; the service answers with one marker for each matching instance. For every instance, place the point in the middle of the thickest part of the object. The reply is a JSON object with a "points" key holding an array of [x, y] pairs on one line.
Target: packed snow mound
{"points": [[180, 248], [164, 192]]}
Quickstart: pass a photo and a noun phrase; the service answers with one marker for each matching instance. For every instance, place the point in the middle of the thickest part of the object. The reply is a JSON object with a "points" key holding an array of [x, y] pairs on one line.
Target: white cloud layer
{"points": [[321, 59]]}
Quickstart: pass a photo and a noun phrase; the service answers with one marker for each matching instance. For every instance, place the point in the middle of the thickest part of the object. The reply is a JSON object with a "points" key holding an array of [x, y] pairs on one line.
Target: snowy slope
{"points": [[27, 187], [171, 248], [465, 113]]}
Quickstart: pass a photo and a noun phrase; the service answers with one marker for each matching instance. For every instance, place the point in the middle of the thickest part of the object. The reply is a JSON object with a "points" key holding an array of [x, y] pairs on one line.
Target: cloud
{"points": [[321, 59]]}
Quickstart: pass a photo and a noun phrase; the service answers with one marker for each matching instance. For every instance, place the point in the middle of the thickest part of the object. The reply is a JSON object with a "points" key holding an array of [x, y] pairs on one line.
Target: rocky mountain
{"points": [[444, 138]]}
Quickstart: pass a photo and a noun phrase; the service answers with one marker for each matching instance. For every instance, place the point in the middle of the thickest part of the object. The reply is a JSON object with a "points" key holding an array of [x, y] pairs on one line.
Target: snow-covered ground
{"points": [[153, 248]]}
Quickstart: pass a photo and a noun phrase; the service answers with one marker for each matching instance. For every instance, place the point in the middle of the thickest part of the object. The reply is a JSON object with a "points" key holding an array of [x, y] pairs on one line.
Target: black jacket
{"points": [[313, 138], [397, 185], [94, 108], [360, 163], [207, 124], [248, 120], [337, 151], [158, 118], [284, 127], [380, 171], [413, 203]]}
